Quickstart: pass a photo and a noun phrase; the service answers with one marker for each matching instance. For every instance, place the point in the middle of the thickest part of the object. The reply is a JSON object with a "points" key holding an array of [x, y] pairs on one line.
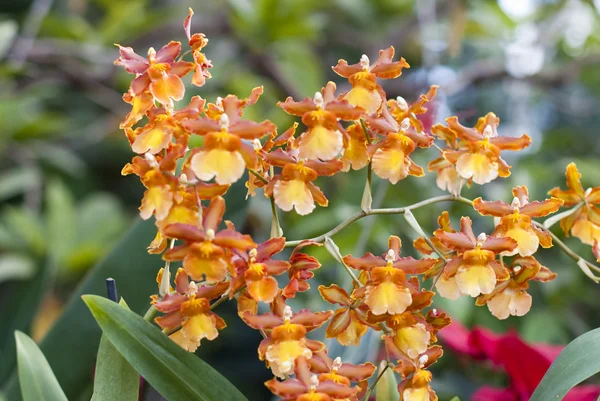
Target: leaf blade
{"points": [[580, 358], [173, 372], [38, 382], [115, 378]]}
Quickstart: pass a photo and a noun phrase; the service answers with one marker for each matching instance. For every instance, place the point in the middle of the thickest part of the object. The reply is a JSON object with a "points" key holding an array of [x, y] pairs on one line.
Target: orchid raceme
{"points": [[340, 131]]}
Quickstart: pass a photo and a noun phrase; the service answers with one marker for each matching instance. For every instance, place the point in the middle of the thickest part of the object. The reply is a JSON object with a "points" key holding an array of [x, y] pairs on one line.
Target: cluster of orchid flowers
{"points": [[356, 129]]}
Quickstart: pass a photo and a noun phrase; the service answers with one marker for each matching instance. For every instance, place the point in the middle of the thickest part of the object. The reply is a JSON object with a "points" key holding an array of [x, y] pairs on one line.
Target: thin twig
{"points": [[397, 210]]}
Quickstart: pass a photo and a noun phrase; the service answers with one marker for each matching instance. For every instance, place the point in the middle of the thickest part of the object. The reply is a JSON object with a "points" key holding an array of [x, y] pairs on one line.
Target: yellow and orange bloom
{"points": [[400, 110], [308, 387], [355, 153], [584, 222], [341, 373], [293, 188], [324, 136], [417, 387], [515, 220], [257, 268], [224, 155], [188, 307], [365, 92], [448, 178], [511, 297], [349, 323], [301, 267], [206, 250], [197, 42], [478, 157], [160, 73], [474, 270], [388, 290], [390, 157], [164, 128], [286, 337]]}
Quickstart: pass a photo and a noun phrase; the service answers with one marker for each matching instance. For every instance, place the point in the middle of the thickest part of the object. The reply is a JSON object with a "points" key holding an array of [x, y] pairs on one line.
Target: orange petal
{"points": [[391, 164], [510, 302], [185, 343], [474, 280], [157, 200], [574, 180], [200, 326], [368, 99], [293, 194], [352, 334], [263, 290], [167, 87], [478, 167], [282, 355], [412, 340], [447, 288], [320, 143], [387, 297], [339, 323], [224, 166], [541, 209], [335, 295]]}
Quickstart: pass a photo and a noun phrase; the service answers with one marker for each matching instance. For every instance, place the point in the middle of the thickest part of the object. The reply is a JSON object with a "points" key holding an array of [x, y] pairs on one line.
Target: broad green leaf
{"points": [[18, 180], [176, 374], [579, 361], [114, 379], [72, 343], [19, 315], [37, 380], [387, 386], [16, 267], [60, 220]]}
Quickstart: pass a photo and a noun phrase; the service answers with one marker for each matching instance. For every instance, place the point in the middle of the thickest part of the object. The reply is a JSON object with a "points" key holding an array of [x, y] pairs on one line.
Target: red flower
{"points": [[524, 363]]}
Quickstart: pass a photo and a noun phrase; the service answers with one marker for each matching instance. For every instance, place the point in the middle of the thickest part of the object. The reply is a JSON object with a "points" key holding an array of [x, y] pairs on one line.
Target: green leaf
{"points": [[60, 221], [115, 379], [387, 386], [176, 374], [579, 360], [72, 343], [455, 399], [37, 380], [18, 180], [16, 267]]}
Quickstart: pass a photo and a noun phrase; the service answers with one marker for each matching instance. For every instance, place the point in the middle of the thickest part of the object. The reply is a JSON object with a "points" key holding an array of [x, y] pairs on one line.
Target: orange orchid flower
{"points": [[197, 42], [510, 297], [400, 110], [301, 267], [224, 155], [257, 268], [390, 157], [349, 323], [205, 252], [365, 92], [515, 220], [308, 387], [448, 178], [323, 138], [584, 223], [286, 336], [387, 290], [156, 174], [160, 73], [341, 373], [478, 158], [417, 387], [293, 187], [405, 365], [189, 307], [164, 126], [355, 153], [474, 270]]}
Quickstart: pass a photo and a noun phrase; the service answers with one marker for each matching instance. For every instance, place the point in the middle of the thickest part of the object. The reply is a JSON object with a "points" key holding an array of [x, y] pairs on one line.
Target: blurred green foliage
{"points": [[65, 204]]}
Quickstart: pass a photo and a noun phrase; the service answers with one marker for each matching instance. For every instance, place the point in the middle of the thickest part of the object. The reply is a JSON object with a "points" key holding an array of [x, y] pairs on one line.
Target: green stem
{"points": [[398, 210], [257, 175], [150, 313], [370, 390]]}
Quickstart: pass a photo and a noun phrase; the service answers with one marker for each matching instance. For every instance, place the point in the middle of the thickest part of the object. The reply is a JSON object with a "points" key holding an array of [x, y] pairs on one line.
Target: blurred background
{"points": [[65, 207]]}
